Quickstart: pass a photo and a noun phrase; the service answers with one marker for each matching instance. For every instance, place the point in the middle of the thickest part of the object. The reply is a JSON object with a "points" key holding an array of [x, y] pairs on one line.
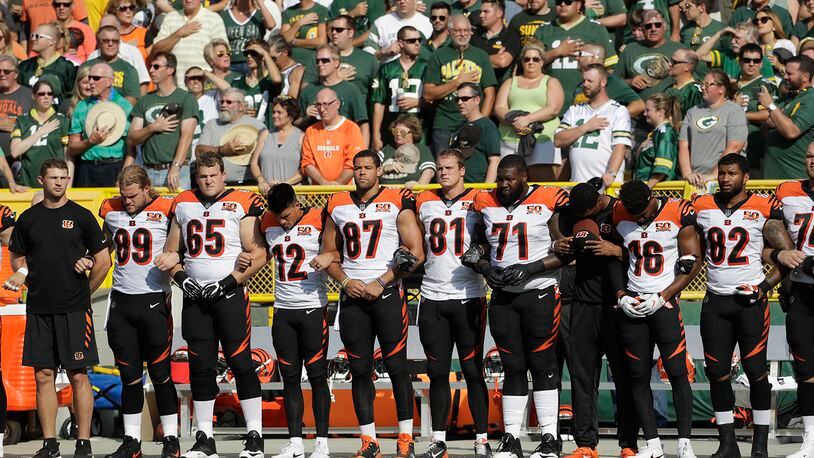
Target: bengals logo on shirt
{"points": [[67, 224]]}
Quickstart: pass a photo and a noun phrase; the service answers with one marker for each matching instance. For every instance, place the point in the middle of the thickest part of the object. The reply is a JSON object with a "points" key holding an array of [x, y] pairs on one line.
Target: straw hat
{"points": [[107, 115], [246, 135]]}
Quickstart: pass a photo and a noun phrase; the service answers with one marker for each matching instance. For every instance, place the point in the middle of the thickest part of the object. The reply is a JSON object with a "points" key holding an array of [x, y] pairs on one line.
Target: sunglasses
{"points": [[761, 20], [706, 84], [438, 18], [7, 71], [400, 132], [324, 60], [532, 59], [464, 98], [564, 2], [229, 102], [45, 94], [62, 4], [412, 41], [747, 60], [157, 66], [96, 77], [40, 36], [123, 8], [110, 41], [653, 25], [676, 62], [194, 78], [339, 29], [223, 53]]}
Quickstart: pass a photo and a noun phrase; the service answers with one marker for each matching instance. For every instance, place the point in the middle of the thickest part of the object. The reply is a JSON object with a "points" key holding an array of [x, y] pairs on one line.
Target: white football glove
{"points": [[650, 303], [628, 305]]}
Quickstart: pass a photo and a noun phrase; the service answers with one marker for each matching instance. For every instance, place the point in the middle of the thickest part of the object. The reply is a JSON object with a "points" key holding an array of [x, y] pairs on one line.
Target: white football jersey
{"points": [[589, 155], [734, 240], [653, 248], [448, 228], [296, 284], [520, 235], [137, 239], [369, 230], [798, 209], [211, 231]]}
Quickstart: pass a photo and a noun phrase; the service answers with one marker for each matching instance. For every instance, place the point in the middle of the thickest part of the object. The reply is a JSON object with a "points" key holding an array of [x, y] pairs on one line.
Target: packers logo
{"points": [[534, 209], [655, 66], [229, 206], [751, 216], [154, 217], [152, 113], [707, 122], [385, 207], [663, 227], [67, 224], [304, 230]]}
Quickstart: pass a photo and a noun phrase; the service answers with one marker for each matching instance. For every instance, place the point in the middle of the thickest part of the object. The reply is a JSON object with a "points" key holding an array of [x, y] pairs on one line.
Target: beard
{"points": [[226, 116]]}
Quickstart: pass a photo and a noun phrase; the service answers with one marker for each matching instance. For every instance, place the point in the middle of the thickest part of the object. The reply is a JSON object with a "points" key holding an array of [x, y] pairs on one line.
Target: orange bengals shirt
{"points": [[331, 150]]}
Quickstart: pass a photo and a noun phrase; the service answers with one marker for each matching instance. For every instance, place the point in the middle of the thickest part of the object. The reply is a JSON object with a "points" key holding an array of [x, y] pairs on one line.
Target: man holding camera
{"points": [[166, 116]]}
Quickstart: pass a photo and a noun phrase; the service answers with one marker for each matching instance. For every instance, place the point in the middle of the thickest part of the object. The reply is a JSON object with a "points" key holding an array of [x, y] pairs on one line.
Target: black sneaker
{"points": [[83, 449], [548, 448], [171, 448], [254, 446], [130, 448], [204, 447], [509, 447], [369, 449], [437, 449], [50, 449]]}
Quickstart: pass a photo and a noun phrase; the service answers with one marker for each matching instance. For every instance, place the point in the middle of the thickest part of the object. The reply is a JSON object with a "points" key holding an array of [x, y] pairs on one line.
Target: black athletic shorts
{"points": [[65, 340]]}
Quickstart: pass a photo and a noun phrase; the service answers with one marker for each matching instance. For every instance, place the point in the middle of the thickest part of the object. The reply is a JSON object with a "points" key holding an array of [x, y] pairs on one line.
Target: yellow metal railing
{"points": [[262, 285]]}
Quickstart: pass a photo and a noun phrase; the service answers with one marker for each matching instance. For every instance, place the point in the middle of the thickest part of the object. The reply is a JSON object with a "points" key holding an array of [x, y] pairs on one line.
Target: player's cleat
{"points": [[369, 449], [48, 450], [291, 450], [650, 451], [584, 452], [548, 448], [483, 449], [170, 447], [728, 444], [509, 447], [807, 449], [760, 441], [130, 448], [628, 452], [321, 451], [204, 447], [253, 447], [437, 449], [83, 449], [405, 447], [685, 450]]}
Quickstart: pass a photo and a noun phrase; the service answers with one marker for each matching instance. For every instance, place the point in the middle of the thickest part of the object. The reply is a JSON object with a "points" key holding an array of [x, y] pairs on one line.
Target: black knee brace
{"points": [[132, 397], [545, 378]]}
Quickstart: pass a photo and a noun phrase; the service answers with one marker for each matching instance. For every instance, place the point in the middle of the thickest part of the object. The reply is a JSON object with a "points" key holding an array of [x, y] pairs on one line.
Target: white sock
{"points": [[724, 418], [481, 437], [513, 409], [547, 405], [296, 441], [761, 417], [655, 442], [683, 441], [439, 436], [368, 430], [203, 415], [170, 424], [323, 441], [406, 426], [1, 444], [253, 413], [132, 425], [808, 423]]}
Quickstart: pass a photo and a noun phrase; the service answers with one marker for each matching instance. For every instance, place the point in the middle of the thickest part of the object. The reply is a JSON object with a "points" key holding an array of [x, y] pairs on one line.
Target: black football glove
{"points": [[215, 291], [191, 288], [807, 267], [471, 257], [516, 274], [405, 261], [494, 277], [685, 263]]}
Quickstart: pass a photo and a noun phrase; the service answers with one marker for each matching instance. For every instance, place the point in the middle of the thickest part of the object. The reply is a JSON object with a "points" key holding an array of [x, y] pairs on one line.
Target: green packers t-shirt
{"points": [[525, 24], [658, 154], [365, 64], [59, 71], [353, 106], [291, 15], [51, 146], [688, 94], [160, 147], [375, 10], [784, 158], [693, 36], [125, 77], [637, 60], [750, 89], [444, 66], [240, 33], [259, 96]]}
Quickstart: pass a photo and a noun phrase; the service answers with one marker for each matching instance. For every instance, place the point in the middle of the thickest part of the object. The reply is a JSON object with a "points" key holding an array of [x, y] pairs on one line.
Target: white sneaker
{"points": [[291, 450], [685, 450], [807, 449], [650, 451], [321, 451]]}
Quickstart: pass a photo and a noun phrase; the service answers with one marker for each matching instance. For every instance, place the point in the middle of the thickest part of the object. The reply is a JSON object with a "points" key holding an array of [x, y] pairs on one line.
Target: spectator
{"points": [[261, 84], [64, 12], [15, 100], [39, 134], [805, 22], [278, 160], [364, 13], [447, 69], [526, 22], [807, 47], [698, 25], [634, 30], [470, 9], [186, 33], [37, 13], [352, 105], [398, 86], [207, 105], [81, 92], [727, 58], [125, 77], [382, 41], [749, 84], [596, 133], [712, 129], [531, 99], [236, 153], [478, 138], [127, 52], [669, 12], [9, 46], [685, 88], [496, 39], [562, 40], [791, 125], [406, 161], [658, 155], [125, 12], [616, 88], [48, 64], [748, 12], [244, 21], [163, 124], [440, 13], [291, 70], [611, 14], [331, 143], [645, 65], [218, 55], [771, 35], [97, 164], [304, 28]]}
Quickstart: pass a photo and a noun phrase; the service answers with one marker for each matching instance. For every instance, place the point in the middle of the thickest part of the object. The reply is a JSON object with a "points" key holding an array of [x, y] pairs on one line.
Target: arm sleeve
{"points": [[684, 132], [18, 241], [666, 145], [688, 216], [736, 125], [208, 136], [190, 107], [620, 129], [16, 132], [130, 86], [378, 92], [487, 77], [802, 114], [6, 218], [77, 121], [307, 152], [407, 200], [432, 74], [776, 209]]}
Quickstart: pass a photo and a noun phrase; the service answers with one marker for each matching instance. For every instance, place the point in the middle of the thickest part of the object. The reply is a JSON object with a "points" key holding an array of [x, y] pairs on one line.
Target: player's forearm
{"points": [[682, 281], [101, 265], [17, 260], [335, 271], [776, 235], [259, 260]]}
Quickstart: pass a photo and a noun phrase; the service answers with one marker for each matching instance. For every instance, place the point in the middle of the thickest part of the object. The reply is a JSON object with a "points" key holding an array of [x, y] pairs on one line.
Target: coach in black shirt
{"points": [[502, 44], [50, 237]]}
